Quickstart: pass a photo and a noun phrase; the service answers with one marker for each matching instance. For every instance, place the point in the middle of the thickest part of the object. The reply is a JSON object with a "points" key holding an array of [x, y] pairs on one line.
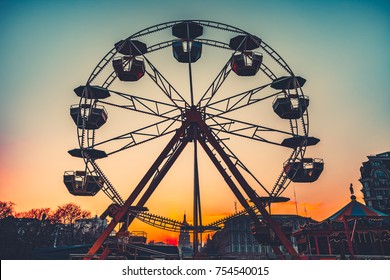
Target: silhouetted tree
{"points": [[69, 213], [22, 233], [6, 209], [35, 213]]}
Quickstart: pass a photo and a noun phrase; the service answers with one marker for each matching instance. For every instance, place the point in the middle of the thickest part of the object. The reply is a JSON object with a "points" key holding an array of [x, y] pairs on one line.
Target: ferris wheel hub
{"points": [[193, 115]]}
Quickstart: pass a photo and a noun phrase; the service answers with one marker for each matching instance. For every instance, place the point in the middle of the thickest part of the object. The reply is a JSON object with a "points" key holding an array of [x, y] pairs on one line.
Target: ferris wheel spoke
{"points": [[141, 135], [165, 86], [223, 74], [158, 78], [239, 101], [244, 129], [215, 85], [144, 105], [253, 137]]}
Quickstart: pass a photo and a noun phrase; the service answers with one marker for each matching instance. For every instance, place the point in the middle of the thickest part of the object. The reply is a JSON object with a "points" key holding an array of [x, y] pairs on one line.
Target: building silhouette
{"points": [[31, 238], [237, 241], [355, 231], [184, 244], [375, 179]]}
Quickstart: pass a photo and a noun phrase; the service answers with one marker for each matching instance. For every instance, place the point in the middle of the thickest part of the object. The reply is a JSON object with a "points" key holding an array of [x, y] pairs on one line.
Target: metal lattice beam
{"points": [[145, 105], [238, 101], [166, 86], [141, 135], [244, 129]]}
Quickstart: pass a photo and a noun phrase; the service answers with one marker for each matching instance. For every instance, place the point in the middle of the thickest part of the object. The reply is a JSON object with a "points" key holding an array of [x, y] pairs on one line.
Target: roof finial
{"points": [[353, 197]]}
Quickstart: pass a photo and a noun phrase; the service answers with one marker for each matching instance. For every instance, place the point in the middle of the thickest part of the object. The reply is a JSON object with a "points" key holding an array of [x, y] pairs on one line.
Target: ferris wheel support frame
{"points": [[153, 170], [193, 119]]}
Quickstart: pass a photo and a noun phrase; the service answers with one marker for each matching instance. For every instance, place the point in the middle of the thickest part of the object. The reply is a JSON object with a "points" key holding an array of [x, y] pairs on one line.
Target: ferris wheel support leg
{"points": [[278, 252], [123, 210], [249, 191], [104, 254], [156, 181], [230, 183]]}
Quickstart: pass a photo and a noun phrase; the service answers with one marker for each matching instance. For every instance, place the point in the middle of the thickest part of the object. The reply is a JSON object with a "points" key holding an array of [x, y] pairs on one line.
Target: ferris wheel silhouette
{"points": [[203, 122]]}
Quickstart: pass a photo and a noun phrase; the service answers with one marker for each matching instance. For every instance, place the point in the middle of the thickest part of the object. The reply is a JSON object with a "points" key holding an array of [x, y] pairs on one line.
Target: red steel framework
{"points": [[200, 123]]}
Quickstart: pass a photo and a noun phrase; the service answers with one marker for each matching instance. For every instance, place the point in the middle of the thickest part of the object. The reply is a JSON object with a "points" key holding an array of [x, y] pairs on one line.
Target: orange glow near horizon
{"points": [[312, 201]]}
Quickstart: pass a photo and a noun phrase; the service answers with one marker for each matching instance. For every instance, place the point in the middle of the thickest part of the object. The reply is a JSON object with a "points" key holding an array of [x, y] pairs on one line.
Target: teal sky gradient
{"points": [[50, 47]]}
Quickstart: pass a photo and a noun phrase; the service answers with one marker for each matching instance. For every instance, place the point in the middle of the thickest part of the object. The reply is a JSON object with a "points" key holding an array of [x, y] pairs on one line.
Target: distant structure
{"points": [[185, 245], [237, 241], [375, 178], [89, 224], [355, 231]]}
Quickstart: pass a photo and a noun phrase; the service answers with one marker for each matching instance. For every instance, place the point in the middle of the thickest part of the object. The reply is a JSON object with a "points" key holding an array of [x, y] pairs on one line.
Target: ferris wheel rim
{"points": [[299, 152]]}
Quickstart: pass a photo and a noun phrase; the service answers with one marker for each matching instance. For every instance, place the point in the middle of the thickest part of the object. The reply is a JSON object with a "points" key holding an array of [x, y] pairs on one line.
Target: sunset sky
{"points": [[51, 47]]}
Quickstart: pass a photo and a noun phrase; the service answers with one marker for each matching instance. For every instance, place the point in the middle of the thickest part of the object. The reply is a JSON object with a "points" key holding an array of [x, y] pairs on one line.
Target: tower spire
{"points": [[353, 197]]}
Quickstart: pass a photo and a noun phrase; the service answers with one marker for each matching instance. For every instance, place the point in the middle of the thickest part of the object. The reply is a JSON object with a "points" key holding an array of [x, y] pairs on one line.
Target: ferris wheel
{"points": [[163, 74]]}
